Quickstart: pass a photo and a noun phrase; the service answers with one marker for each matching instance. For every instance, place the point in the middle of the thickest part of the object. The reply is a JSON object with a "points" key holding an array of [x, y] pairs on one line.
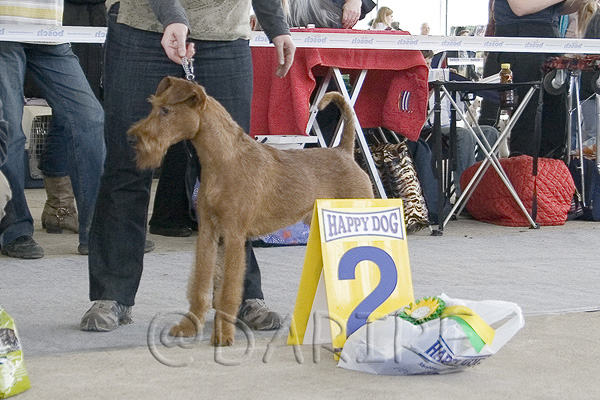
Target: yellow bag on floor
{"points": [[13, 376]]}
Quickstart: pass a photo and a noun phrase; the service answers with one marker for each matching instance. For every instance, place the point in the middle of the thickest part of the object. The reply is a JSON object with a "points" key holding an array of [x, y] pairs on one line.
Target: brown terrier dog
{"points": [[248, 189]]}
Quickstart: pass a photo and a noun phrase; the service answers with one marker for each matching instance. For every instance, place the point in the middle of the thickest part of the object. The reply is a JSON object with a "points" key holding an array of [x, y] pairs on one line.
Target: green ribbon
{"points": [[475, 328]]}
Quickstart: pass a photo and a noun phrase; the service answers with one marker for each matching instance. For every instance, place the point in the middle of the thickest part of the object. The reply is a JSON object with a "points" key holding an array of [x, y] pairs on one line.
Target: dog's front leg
{"points": [[229, 297], [200, 285]]}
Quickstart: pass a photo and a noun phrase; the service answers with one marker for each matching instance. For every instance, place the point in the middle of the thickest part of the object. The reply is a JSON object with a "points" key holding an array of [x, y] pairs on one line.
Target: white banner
{"points": [[310, 38], [52, 34], [438, 43]]}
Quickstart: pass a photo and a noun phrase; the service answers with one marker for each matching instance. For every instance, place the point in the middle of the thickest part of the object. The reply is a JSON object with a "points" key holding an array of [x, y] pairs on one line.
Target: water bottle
{"points": [[507, 97]]}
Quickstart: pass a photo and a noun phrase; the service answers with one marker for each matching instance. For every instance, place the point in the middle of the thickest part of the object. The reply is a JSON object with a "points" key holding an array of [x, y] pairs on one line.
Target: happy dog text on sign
{"points": [[340, 225]]}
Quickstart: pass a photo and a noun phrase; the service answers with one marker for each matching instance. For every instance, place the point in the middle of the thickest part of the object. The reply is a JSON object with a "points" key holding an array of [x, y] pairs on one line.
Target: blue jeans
{"points": [[74, 145], [135, 63], [3, 135]]}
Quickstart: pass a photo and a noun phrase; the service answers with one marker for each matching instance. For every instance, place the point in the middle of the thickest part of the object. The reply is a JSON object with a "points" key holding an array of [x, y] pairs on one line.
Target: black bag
{"points": [[591, 209]]}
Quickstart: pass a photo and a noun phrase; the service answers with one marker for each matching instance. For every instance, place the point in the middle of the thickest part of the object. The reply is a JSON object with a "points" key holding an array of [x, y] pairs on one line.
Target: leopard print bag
{"points": [[399, 178]]}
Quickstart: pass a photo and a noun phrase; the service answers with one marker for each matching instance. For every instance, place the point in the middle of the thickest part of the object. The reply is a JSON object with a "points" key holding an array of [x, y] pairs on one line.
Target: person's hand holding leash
{"points": [[174, 42]]}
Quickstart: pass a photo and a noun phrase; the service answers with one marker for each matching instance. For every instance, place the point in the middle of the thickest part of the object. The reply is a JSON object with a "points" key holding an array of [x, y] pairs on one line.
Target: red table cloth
{"points": [[394, 94]]}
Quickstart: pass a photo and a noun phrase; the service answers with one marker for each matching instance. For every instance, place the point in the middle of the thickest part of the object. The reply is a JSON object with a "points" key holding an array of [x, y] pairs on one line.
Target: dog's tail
{"points": [[347, 141]]}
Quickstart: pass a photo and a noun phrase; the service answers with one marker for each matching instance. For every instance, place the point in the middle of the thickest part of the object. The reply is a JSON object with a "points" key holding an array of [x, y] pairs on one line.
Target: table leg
{"points": [[364, 147], [437, 136], [312, 124], [574, 96]]}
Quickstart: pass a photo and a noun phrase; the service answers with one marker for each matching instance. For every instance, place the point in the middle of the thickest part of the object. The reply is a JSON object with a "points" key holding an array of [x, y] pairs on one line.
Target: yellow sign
{"points": [[356, 270]]}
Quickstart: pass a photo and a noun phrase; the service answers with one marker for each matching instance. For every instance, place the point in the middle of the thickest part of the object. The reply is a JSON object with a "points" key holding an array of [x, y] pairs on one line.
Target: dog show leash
{"points": [[188, 68]]}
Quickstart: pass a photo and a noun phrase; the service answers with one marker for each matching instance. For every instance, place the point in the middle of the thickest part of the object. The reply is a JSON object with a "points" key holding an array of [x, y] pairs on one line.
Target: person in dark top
{"points": [[146, 41], [527, 18]]}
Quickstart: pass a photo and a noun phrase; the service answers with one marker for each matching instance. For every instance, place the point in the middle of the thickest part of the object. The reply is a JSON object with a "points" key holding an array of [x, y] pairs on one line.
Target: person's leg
{"points": [[89, 54], [423, 159], [526, 67], [489, 111], [75, 143], [554, 126], [465, 157], [170, 213], [4, 197], [3, 135], [5, 193], [135, 64], [225, 70], [12, 65], [491, 134]]}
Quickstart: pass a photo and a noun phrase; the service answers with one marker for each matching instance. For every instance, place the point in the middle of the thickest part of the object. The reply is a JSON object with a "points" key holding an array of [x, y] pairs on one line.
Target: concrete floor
{"points": [[551, 273]]}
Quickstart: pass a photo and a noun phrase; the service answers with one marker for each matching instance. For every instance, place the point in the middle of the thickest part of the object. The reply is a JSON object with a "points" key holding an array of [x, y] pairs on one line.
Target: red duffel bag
{"points": [[492, 202]]}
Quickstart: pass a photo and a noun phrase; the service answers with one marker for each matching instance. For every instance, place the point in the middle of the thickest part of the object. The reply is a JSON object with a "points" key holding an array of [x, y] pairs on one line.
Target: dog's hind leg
{"points": [[229, 297], [200, 286]]}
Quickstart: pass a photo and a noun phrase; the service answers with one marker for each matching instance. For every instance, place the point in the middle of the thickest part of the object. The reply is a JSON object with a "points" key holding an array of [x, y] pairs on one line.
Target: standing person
{"points": [[489, 110], [526, 18], [59, 210], [146, 41], [327, 13], [75, 143], [88, 13]]}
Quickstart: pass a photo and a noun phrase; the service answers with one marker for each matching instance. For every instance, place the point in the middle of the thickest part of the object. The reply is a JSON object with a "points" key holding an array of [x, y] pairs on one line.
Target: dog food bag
{"points": [[13, 376], [433, 335]]}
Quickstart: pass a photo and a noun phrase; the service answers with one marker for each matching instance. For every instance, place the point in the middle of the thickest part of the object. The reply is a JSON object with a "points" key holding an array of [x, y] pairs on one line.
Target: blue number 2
{"points": [[387, 283]]}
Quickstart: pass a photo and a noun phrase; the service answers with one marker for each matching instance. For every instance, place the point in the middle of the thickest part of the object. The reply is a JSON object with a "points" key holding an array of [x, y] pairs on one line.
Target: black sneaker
{"points": [[83, 249], [105, 316], [258, 317], [23, 247]]}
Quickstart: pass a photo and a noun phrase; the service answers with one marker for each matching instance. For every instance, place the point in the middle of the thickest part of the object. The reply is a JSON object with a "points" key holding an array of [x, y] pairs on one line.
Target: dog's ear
{"points": [[164, 85], [181, 91], [198, 98]]}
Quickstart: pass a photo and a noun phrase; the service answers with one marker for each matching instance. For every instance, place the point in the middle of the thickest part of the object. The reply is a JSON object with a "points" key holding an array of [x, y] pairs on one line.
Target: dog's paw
{"points": [[223, 332], [222, 340], [186, 328]]}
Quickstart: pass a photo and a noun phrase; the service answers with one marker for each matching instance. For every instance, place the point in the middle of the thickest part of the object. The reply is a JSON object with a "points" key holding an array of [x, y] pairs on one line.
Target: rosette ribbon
{"points": [[476, 329]]}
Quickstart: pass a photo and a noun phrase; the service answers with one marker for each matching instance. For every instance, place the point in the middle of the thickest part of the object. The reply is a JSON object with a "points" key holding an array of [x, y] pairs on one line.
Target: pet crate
{"points": [[36, 122]]}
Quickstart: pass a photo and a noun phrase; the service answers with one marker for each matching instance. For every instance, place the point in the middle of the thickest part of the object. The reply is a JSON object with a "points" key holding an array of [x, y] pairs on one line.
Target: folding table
{"points": [[450, 89], [313, 126], [389, 89]]}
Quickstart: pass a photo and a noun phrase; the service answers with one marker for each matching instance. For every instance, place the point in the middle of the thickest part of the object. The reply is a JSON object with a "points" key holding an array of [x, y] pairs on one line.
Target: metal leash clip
{"points": [[188, 68]]}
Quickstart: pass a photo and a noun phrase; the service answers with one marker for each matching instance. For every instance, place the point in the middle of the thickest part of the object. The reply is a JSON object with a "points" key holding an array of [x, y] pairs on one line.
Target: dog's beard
{"points": [[148, 155]]}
